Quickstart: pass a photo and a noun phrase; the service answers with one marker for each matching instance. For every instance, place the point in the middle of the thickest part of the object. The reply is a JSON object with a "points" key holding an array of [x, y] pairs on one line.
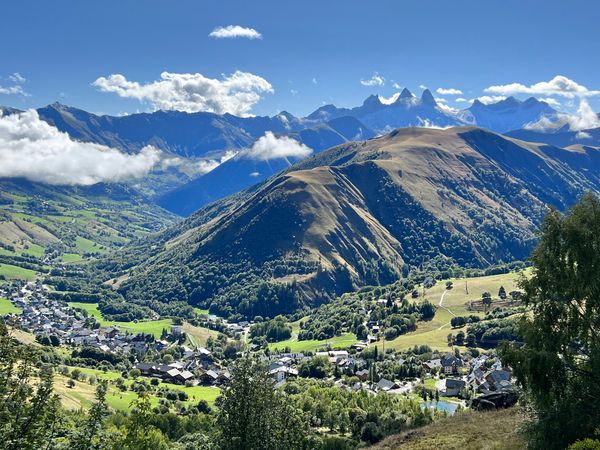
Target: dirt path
{"points": [[441, 305]]}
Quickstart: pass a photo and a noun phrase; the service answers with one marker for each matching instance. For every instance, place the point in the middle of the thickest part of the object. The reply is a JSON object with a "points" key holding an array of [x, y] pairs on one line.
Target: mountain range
{"points": [[199, 138], [362, 213]]}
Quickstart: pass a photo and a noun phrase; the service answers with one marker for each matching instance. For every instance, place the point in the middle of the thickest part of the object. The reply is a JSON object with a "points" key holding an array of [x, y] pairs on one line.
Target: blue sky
{"points": [[310, 53]]}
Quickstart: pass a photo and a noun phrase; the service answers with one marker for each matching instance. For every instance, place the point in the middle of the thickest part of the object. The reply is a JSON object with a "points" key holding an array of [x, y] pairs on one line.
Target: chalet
{"points": [[386, 385], [283, 373], [451, 364], [453, 387], [432, 365], [209, 377], [184, 376], [111, 332], [146, 369], [362, 375]]}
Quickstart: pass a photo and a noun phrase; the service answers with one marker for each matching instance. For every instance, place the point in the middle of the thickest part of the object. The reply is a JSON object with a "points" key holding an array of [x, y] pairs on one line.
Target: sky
{"points": [[261, 57]]}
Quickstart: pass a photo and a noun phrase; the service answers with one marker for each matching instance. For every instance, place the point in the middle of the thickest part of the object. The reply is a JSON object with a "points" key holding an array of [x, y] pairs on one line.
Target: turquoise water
{"points": [[450, 408]]}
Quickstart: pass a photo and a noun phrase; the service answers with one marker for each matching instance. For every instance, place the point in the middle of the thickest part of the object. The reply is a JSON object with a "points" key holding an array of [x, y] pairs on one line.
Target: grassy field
{"points": [[13, 272], [82, 395], [469, 430], [87, 246], [70, 257], [197, 335], [343, 341], [6, 307], [153, 327], [434, 332]]}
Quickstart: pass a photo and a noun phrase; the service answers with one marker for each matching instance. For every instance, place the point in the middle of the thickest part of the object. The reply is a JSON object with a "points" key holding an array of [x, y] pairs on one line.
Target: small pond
{"points": [[441, 405]]}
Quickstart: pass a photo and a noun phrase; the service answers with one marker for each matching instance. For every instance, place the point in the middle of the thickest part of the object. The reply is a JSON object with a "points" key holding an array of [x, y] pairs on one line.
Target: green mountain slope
{"points": [[363, 213]]}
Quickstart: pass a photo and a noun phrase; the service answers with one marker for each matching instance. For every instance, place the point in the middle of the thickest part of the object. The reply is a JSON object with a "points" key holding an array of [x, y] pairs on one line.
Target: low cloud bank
{"points": [[584, 119], [270, 147], [31, 148]]}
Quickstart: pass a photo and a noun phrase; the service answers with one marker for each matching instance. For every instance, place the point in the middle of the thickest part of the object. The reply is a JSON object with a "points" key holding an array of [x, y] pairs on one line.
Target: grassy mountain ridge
{"points": [[361, 213]]}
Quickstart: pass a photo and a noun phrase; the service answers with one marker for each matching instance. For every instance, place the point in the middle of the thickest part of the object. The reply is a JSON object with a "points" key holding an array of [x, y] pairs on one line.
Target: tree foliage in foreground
{"points": [[253, 415], [559, 365]]}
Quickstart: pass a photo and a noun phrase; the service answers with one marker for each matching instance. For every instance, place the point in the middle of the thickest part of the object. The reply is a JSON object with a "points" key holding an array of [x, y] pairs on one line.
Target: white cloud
{"points": [[441, 100], [270, 147], [422, 86], [583, 135], [192, 92], [559, 85], [314, 81], [489, 99], [585, 118], [254, 174], [446, 108], [389, 100], [375, 80], [17, 78], [235, 31], [31, 148], [551, 101], [448, 91], [396, 85], [294, 92], [13, 90], [460, 100]]}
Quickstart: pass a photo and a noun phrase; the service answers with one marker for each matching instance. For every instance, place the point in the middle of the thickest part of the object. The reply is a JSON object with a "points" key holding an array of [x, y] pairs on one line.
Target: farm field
{"points": [[434, 332], [196, 335], [153, 327], [83, 394], [6, 307], [11, 272], [343, 341]]}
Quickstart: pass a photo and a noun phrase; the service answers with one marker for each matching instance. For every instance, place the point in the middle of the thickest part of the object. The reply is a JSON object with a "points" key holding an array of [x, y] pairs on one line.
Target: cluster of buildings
{"points": [[43, 315], [465, 373], [195, 367]]}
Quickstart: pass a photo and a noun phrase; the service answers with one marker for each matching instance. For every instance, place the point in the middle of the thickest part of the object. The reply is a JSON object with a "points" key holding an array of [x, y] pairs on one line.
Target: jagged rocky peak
{"points": [[372, 100], [405, 94], [427, 98]]}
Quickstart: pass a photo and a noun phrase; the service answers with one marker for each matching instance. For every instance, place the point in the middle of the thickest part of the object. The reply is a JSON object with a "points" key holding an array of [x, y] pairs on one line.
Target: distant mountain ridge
{"points": [[208, 136]]}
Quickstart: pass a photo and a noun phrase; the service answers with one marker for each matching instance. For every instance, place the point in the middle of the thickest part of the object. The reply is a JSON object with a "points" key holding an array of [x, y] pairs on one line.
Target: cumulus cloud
{"points": [[17, 78], [17, 88], [489, 99], [460, 100], [375, 80], [583, 135], [448, 91], [270, 147], [31, 148], [13, 90], [389, 100], [551, 101], [235, 31], [559, 85], [585, 118], [446, 108], [192, 92]]}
